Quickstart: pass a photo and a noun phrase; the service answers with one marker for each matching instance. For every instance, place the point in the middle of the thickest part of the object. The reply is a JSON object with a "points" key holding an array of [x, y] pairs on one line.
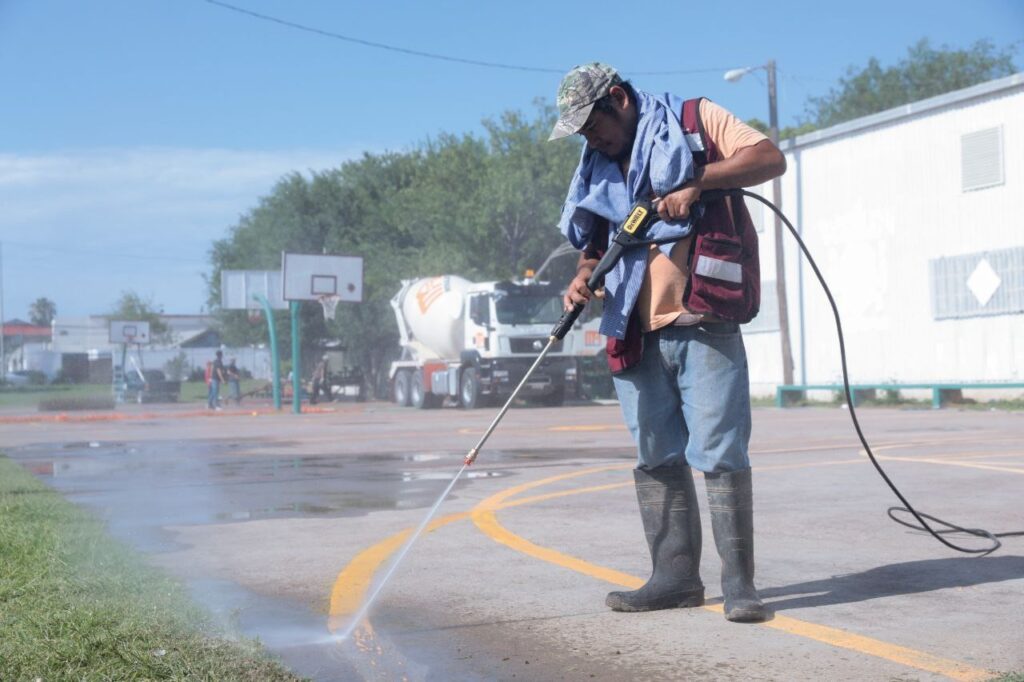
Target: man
{"points": [[217, 375], [234, 378], [321, 374], [686, 399]]}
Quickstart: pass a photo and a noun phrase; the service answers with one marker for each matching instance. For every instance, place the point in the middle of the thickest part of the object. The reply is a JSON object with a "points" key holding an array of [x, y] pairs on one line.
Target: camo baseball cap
{"points": [[580, 88]]}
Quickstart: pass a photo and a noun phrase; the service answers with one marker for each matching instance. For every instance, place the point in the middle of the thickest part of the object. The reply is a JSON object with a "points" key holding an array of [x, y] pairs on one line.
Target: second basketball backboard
{"points": [[311, 277]]}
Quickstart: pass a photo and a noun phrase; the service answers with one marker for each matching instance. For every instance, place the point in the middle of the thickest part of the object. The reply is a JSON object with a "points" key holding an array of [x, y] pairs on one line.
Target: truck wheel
{"points": [[556, 399], [400, 391], [418, 395], [469, 389]]}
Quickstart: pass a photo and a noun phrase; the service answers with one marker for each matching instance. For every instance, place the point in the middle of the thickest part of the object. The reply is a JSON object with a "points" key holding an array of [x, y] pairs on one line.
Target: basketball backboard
{"points": [[309, 277], [237, 288], [129, 331]]}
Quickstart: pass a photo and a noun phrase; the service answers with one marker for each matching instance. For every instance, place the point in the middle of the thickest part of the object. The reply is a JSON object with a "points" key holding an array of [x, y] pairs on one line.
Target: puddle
{"points": [[143, 489], [86, 445], [447, 475], [410, 456], [287, 510]]}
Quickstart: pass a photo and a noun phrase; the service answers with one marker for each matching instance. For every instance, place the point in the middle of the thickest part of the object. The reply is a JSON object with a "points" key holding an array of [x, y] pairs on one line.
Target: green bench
{"points": [[941, 392]]}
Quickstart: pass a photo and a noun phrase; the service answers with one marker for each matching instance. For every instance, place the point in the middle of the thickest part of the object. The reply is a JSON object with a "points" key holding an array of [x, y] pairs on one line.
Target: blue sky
{"points": [[134, 133]]}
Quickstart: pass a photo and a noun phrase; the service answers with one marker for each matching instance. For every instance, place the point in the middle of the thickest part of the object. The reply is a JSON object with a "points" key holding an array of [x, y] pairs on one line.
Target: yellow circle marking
{"points": [[353, 582]]}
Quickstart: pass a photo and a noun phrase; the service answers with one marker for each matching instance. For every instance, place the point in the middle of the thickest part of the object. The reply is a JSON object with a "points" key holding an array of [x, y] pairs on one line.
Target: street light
{"points": [[733, 76], [736, 74]]}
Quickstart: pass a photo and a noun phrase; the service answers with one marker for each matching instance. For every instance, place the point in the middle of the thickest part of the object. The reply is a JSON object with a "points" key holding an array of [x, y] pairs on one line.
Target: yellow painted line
{"points": [[485, 517], [487, 521], [953, 463], [807, 465], [980, 455], [891, 652], [355, 579]]}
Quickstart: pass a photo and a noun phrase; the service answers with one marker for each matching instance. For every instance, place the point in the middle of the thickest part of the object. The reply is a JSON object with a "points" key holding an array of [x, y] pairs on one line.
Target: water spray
{"points": [[633, 230], [365, 608]]}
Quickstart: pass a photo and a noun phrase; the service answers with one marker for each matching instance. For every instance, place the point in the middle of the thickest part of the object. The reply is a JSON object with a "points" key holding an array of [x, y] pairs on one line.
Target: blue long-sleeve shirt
{"points": [[660, 162]]}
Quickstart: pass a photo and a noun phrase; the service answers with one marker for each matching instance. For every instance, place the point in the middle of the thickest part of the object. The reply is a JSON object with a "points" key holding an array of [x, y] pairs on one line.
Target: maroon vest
{"points": [[725, 275], [725, 271]]}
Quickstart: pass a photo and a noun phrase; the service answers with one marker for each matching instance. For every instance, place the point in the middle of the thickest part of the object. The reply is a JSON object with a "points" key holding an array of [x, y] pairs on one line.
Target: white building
{"points": [[914, 216], [191, 336]]}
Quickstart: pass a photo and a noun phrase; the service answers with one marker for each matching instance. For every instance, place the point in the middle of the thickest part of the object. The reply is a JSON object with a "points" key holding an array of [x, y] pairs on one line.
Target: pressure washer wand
{"points": [[633, 229]]}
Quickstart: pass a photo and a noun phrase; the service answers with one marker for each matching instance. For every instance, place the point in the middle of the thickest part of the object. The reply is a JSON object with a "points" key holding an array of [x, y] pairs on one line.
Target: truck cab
{"points": [[507, 326], [475, 341]]}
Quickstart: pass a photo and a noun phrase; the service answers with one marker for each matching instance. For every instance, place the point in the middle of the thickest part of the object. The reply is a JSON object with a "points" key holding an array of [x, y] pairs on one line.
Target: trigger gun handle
{"points": [[604, 266], [632, 233]]}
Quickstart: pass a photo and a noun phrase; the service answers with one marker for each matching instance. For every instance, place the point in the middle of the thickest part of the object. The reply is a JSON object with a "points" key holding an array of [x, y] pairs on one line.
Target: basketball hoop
{"points": [[329, 302]]}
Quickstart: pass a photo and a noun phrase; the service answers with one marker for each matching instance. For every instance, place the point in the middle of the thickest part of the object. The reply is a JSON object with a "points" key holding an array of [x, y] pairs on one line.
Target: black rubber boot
{"points": [[671, 518], [730, 499]]}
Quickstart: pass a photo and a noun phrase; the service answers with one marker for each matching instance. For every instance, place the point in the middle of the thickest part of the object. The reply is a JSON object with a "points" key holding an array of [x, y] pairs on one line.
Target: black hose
{"points": [[906, 508]]}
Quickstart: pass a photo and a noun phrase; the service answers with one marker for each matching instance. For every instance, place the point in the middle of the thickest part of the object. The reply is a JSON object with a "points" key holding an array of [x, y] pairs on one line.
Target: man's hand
{"points": [[578, 292], [676, 205]]}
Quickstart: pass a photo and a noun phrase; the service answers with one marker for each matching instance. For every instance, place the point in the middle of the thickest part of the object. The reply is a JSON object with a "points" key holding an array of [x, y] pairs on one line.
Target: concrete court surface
{"points": [[283, 524]]}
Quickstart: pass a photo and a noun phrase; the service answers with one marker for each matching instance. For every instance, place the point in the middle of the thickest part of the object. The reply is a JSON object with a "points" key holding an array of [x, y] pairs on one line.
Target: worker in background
{"points": [[234, 378], [321, 380], [217, 376]]}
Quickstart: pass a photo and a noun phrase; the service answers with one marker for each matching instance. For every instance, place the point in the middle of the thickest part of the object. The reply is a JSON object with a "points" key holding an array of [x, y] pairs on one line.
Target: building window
{"points": [[767, 319], [981, 159], [978, 284]]}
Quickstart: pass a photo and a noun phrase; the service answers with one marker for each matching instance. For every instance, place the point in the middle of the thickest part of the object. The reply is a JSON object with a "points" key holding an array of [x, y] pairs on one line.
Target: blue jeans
{"points": [[688, 400], [214, 397]]}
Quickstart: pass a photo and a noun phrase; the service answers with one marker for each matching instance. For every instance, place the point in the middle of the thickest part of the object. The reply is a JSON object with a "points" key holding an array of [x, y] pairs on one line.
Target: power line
{"points": [[430, 55]]}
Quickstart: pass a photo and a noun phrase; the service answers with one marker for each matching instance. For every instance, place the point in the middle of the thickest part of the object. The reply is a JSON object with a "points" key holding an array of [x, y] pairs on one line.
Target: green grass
{"points": [[31, 396], [75, 395], [82, 402], [75, 604], [1009, 677]]}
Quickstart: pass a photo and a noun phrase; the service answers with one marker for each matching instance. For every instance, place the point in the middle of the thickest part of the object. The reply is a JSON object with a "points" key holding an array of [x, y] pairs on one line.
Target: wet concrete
{"points": [[260, 515], [140, 488]]}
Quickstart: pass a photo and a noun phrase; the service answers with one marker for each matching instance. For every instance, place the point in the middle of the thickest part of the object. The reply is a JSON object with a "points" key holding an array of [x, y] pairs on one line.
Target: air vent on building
{"points": [[978, 284], [981, 159]]}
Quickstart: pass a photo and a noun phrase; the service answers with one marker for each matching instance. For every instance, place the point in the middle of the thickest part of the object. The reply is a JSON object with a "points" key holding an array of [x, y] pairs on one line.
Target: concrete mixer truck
{"points": [[472, 343]]}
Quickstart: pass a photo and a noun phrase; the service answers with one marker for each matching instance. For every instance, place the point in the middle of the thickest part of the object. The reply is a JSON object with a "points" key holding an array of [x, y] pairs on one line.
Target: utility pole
{"points": [[780, 259], [732, 76]]}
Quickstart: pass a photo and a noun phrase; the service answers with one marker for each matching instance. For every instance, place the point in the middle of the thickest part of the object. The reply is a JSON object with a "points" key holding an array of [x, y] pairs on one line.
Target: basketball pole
{"points": [[296, 360], [274, 357]]}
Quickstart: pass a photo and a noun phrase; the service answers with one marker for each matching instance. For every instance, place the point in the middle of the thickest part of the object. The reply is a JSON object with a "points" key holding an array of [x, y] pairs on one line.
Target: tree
{"points": [[784, 133], [177, 368], [924, 72], [480, 208], [131, 306], [42, 311]]}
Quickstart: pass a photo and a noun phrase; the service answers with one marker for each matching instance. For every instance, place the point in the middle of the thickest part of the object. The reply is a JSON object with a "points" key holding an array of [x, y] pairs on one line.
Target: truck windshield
{"points": [[528, 309]]}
